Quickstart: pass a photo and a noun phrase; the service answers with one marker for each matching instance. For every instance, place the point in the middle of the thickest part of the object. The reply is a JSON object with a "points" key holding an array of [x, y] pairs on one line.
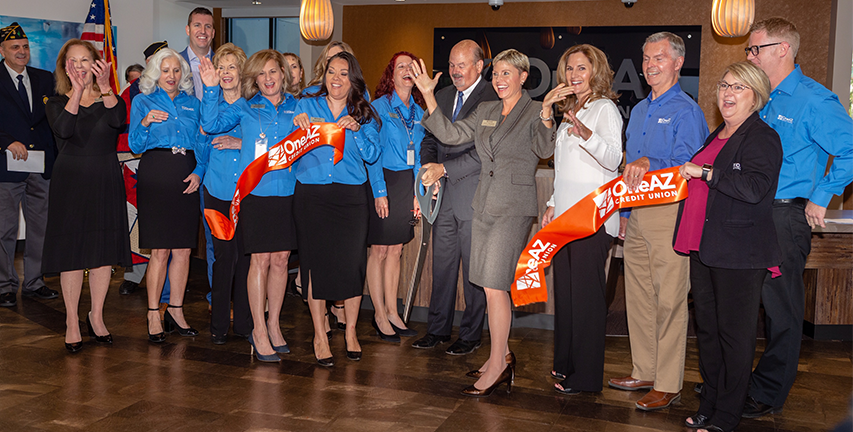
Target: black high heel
{"points": [[170, 325], [507, 376], [74, 347], [407, 332], [108, 339], [159, 337], [393, 337], [338, 323]]}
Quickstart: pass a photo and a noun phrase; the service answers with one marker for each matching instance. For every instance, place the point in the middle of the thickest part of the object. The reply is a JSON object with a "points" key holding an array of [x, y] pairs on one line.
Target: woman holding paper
{"points": [[510, 137], [588, 154], [265, 117], [87, 217], [332, 203], [164, 127]]}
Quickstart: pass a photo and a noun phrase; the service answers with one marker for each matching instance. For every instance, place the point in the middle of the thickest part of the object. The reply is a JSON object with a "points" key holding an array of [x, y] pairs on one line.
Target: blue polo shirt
{"points": [[394, 138], [223, 166], [180, 130], [255, 116], [812, 124], [317, 167]]}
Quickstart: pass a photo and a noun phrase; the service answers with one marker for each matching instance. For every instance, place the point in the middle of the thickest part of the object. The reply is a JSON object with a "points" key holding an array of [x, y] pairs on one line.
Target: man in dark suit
{"points": [[451, 231], [23, 132]]}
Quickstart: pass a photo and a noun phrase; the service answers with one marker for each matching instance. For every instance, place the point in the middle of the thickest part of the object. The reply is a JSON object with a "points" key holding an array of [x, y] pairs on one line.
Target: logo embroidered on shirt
{"points": [[664, 120], [785, 119], [736, 166], [187, 108]]}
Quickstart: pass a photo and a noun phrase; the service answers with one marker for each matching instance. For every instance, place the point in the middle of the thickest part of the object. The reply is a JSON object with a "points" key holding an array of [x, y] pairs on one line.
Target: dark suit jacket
{"points": [[17, 124], [461, 162], [739, 232]]}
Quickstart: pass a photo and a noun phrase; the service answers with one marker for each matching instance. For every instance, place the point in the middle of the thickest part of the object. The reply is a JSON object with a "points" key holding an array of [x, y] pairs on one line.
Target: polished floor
{"points": [[189, 384]]}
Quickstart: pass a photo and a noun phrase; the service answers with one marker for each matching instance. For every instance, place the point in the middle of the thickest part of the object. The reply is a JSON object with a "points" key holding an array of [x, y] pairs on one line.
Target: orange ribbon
{"points": [[583, 220], [279, 156]]}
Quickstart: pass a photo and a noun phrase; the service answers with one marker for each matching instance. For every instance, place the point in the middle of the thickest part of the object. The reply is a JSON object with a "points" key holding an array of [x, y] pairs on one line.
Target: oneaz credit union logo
{"points": [[290, 150], [539, 252], [659, 186]]}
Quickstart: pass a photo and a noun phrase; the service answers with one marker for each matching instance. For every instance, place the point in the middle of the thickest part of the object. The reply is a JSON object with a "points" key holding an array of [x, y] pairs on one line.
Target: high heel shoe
{"points": [[271, 358], [325, 362], [108, 339], [393, 337], [507, 376], [338, 323], [407, 332], [74, 347], [510, 360], [170, 325], [281, 349], [159, 337]]}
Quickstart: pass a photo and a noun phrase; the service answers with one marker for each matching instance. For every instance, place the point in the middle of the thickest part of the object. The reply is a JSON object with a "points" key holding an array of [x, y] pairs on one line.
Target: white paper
{"points": [[841, 221], [33, 164]]}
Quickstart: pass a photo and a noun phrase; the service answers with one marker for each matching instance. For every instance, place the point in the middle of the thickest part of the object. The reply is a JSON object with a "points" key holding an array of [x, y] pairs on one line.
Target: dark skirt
{"points": [[267, 224], [396, 228], [331, 222], [168, 218]]}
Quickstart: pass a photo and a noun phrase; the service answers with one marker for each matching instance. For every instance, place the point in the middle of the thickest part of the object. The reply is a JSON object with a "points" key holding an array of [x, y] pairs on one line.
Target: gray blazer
{"points": [[460, 161], [509, 152]]}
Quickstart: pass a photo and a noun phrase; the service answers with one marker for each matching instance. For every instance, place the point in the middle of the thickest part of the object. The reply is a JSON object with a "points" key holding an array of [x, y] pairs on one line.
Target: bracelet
{"points": [[109, 93], [706, 169], [549, 118]]}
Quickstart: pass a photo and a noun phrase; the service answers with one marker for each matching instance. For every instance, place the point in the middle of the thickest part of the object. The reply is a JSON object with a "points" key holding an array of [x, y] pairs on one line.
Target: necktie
{"points": [[22, 91], [458, 107]]}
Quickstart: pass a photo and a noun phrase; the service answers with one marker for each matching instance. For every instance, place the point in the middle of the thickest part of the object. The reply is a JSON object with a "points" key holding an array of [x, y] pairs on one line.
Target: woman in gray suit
{"points": [[510, 136]]}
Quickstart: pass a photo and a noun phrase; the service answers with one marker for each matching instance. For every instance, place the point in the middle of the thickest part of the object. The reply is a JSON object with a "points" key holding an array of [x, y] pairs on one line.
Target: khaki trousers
{"points": [[656, 286]]}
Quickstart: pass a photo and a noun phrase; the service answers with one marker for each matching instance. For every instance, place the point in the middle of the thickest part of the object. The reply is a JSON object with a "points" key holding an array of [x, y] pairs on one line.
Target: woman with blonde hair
{"points": [[588, 153], [87, 216], [265, 116]]}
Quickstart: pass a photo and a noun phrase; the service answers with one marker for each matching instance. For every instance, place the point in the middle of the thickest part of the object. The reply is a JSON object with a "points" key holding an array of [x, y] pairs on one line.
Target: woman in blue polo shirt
{"points": [[331, 200], [265, 116], [164, 127], [392, 179]]}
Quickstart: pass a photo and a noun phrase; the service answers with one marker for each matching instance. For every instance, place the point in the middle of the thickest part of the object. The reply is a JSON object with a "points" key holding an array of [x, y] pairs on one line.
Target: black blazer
{"points": [[461, 162], [739, 232], [17, 124]]}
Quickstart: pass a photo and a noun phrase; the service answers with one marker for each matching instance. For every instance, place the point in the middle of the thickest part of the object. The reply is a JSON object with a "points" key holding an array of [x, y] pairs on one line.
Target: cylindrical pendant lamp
{"points": [[732, 18], [316, 20]]}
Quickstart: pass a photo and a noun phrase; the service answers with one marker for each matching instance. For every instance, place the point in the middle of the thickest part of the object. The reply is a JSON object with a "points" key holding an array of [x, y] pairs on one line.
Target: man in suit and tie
{"points": [[23, 132], [451, 231]]}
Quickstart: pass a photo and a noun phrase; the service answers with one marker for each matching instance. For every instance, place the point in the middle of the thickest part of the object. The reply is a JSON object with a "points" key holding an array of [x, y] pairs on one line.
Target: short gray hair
{"points": [[151, 74], [676, 43]]}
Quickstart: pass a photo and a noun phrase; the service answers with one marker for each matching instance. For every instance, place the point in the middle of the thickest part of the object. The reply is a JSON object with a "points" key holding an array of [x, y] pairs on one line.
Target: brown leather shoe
{"points": [[655, 400], [630, 384]]}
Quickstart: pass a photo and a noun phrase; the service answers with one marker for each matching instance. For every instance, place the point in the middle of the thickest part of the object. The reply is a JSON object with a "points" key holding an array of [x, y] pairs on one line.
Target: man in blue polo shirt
{"points": [[664, 131], [812, 124]]}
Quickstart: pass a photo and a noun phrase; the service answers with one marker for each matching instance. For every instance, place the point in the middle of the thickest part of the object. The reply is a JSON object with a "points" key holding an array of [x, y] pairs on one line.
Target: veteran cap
{"points": [[12, 32], [153, 48]]}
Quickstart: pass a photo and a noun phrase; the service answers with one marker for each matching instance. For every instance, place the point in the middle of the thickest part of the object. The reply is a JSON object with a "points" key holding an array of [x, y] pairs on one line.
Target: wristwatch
{"points": [[706, 169], [109, 93]]}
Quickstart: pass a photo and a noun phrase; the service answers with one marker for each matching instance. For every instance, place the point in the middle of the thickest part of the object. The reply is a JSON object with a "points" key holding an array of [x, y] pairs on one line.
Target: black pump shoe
{"points": [[169, 324], [108, 339], [74, 347], [159, 337], [393, 337]]}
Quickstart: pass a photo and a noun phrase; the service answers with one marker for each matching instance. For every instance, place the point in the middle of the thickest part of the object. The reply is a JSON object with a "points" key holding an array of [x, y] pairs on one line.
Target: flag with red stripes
{"points": [[98, 29]]}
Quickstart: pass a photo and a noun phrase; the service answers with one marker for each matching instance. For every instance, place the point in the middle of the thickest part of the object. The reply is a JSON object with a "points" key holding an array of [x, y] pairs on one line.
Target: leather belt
{"points": [[791, 201]]}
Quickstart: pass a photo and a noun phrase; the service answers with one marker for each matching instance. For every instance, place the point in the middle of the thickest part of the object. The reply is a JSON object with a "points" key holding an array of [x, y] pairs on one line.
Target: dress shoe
{"points": [[510, 360], [108, 339], [462, 347], [507, 376], [429, 341], [337, 321], [406, 332], [281, 349], [42, 293], [698, 421], [655, 400], [218, 339], [630, 384], [128, 287], [698, 387], [326, 362], [170, 325], [269, 358], [393, 337], [557, 375], [158, 337], [755, 409], [354, 355], [74, 347], [8, 299], [559, 388]]}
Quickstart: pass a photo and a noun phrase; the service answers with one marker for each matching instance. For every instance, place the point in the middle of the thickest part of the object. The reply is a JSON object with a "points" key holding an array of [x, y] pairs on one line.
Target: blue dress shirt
{"points": [[223, 166], [394, 139], [180, 130], [254, 117], [317, 167], [812, 124]]}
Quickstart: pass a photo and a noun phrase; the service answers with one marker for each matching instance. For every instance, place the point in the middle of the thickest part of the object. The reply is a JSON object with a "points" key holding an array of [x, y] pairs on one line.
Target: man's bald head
{"points": [[466, 64]]}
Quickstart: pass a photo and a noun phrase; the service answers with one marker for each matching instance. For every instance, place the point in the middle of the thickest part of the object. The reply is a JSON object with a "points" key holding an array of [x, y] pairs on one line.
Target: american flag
{"points": [[98, 29]]}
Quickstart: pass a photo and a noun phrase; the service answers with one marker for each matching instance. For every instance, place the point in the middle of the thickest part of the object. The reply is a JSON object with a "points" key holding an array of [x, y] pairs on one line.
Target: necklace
{"points": [[263, 132], [408, 123]]}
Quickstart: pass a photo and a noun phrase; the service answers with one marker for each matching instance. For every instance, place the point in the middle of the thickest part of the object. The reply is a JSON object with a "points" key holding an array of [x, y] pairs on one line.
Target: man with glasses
{"points": [[812, 125]]}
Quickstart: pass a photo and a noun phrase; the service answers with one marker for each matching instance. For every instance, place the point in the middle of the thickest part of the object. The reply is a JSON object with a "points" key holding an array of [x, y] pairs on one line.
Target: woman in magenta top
{"points": [[726, 227]]}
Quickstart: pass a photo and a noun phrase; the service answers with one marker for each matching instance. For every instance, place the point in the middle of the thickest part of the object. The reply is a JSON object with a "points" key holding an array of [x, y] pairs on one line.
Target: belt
{"points": [[790, 201]]}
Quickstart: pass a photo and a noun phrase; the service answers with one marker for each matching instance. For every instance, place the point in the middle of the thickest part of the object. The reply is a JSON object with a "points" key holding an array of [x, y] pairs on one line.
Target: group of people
{"points": [[199, 118]]}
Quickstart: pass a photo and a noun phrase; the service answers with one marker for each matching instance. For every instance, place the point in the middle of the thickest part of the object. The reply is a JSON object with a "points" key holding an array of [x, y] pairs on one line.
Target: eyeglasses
{"points": [[755, 48], [736, 88]]}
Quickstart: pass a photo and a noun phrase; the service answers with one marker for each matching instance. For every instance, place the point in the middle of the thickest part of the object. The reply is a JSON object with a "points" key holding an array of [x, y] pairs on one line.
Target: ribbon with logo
{"points": [[279, 156], [584, 219]]}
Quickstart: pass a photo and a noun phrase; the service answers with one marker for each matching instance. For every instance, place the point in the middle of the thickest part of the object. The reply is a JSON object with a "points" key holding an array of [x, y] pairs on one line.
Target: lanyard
{"points": [[408, 123]]}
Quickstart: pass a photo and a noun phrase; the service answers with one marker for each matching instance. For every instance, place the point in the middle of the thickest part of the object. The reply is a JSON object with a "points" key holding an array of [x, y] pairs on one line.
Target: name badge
{"points": [[410, 157], [393, 115], [257, 106], [489, 123], [318, 120], [260, 147]]}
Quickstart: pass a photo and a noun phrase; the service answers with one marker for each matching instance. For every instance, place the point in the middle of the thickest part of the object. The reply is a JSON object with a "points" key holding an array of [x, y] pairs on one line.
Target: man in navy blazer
{"points": [[23, 129]]}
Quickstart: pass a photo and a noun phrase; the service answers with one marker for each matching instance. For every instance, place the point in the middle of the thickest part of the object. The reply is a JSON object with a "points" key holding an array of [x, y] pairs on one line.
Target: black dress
{"points": [[87, 213]]}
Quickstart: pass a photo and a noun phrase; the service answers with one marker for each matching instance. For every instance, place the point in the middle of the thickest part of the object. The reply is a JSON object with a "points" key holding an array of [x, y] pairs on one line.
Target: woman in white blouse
{"points": [[588, 154]]}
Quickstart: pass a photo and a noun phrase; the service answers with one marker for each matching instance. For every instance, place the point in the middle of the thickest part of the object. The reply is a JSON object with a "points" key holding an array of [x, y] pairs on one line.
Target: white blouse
{"points": [[580, 167]]}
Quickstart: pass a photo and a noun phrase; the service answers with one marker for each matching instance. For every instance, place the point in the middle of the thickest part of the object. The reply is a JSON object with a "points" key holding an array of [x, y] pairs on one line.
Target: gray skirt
{"points": [[496, 244]]}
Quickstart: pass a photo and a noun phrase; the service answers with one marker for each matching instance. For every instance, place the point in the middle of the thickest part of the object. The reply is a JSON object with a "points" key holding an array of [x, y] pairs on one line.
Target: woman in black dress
{"points": [[87, 216]]}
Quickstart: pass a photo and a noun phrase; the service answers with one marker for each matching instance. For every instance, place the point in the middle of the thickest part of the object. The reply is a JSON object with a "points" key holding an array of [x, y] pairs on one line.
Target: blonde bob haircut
{"points": [[514, 58], [151, 74], [600, 76], [322, 62], [753, 77], [63, 83], [255, 65], [230, 49]]}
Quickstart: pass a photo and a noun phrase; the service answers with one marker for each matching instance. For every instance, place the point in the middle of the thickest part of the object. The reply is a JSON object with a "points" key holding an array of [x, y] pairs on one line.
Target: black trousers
{"points": [[230, 275], [580, 311], [784, 305], [726, 305]]}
